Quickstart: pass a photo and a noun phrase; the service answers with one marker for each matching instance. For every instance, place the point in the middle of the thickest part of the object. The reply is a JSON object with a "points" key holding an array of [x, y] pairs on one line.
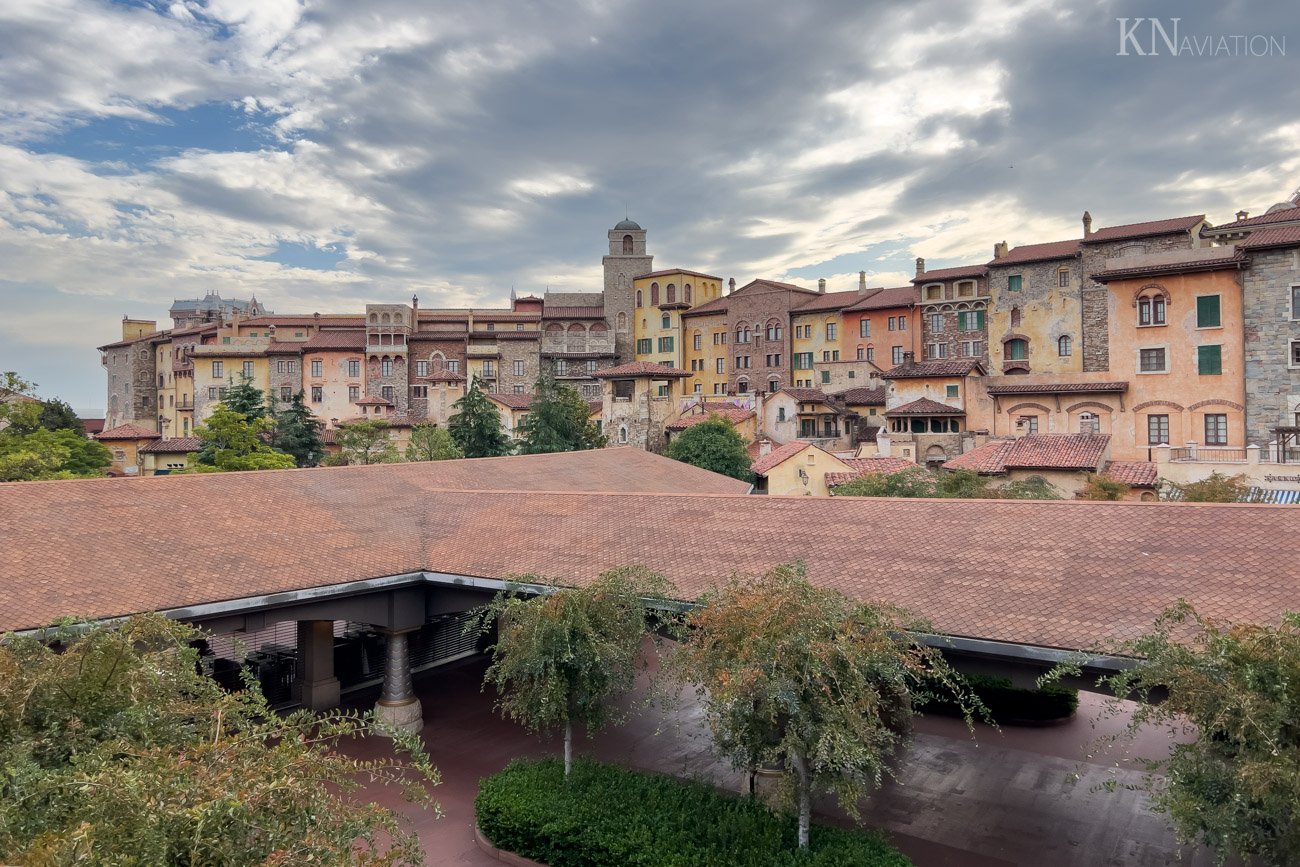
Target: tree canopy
{"points": [[117, 750], [945, 484], [431, 443], [476, 425], [563, 656], [43, 439], [231, 441], [715, 445], [365, 442], [559, 420], [1214, 488], [297, 432]]}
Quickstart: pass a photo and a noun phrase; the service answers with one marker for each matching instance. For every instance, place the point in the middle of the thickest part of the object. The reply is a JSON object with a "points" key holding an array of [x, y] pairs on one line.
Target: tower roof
{"points": [[628, 225]]}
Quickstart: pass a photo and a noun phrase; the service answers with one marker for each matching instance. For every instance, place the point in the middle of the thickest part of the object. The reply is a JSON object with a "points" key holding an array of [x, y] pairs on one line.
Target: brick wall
{"points": [[1272, 386]]}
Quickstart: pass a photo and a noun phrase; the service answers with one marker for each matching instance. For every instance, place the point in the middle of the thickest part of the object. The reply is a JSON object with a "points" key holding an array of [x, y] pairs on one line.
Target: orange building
{"points": [[882, 327]]}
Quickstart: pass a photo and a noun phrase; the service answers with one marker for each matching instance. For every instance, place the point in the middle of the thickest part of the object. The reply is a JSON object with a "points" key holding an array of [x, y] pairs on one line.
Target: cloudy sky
{"points": [[327, 152]]}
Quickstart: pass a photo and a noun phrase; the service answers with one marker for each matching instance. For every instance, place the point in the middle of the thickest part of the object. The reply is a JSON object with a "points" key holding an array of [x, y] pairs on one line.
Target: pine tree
{"points": [[476, 426], [558, 420], [298, 432], [246, 399]]}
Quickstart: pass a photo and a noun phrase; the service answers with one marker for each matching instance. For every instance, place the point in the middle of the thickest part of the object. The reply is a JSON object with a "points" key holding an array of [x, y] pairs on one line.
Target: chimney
{"points": [[731, 285], [908, 357], [862, 282], [920, 266], [764, 447], [821, 286], [1241, 215], [999, 249], [1087, 224]]}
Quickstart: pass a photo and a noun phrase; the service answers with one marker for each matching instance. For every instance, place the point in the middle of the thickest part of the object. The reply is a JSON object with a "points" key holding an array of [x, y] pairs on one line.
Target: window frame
{"points": [[1164, 360], [1152, 417], [1218, 311], [1219, 436], [1205, 358]]}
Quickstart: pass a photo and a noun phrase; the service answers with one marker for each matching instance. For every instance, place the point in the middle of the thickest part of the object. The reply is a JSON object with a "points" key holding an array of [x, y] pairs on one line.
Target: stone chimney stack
{"points": [[908, 357], [1000, 249], [764, 447], [731, 285], [1087, 224], [862, 282], [821, 286], [920, 265], [1241, 215]]}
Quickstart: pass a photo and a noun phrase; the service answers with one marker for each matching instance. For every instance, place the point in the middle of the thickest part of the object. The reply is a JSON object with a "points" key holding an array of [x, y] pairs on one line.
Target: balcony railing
{"points": [[1210, 454]]}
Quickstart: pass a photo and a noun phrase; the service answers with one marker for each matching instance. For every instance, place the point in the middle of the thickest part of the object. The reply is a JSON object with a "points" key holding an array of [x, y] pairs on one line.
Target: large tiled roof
{"points": [[733, 414], [956, 273], [1059, 388], [805, 395], [1281, 215], [1233, 562], [1137, 474], [780, 455], [717, 305], [1275, 236], [670, 271], [1035, 452], [513, 401], [173, 445], [336, 339], [640, 368], [923, 369], [883, 299], [574, 299], [1235, 259], [868, 466], [862, 396], [127, 432], [555, 311], [924, 406], [1037, 253], [1148, 229], [829, 301]]}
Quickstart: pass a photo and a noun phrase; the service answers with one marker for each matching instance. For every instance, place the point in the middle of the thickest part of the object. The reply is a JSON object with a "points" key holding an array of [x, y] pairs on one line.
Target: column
{"points": [[317, 687], [397, 703]]}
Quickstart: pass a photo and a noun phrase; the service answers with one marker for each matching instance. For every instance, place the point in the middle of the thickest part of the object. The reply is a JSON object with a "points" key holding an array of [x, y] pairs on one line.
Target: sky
{"points": [[325, 153]]}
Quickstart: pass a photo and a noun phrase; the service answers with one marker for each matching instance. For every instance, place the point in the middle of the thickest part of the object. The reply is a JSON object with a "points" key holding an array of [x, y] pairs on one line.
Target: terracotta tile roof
{"points": [[442, 376], [956, 273], [776, 284], [923, 369], [548, 353], [595, 406], [734, 414], [513, 401], [806, 395], [1234, 260], [1035, 452], [924, 406], [1136, 474], [883, 299], [717, 305], [1059, 388], [1073, 585], [338, 320], [1279, 236], [349, 339], [640, 368], [575, 299], [756, 446], [126, 432], [143, 337], [285, 347], [373, 401], [174, 445], [1148, 229], [669, 271], [93, 425], [862, 396], [779, 455], [1281, 215], [868, 466], [1037, 253], [558, 312], [829, 301]]}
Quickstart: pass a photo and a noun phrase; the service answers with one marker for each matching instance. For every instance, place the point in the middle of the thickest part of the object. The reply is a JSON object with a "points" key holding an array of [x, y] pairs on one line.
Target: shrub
{"points": [[605, 816], [1010, 704]]}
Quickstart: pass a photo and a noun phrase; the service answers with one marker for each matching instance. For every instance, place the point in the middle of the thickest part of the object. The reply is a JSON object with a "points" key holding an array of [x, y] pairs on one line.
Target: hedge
{"points": [[606, 816], [1009, 704]]}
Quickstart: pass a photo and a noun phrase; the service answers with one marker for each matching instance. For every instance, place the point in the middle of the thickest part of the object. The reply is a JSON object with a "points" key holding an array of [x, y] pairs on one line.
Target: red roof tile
{"points": [[93, 425], [1035, 452], [513, 401], [557, 312], [883, 299], [1148, 229], [717, 305], [956, 273], [924, 369], [829, 301], [640, 368], [1136, 474], [1280, 236], [1037, 253], [868, 466], [336, 339], [780, 455], [987, 458], [669, 271], [805, 394], [776, 284], [734, 414], [1282, 215], [174, 445], [1235, 260], [1059, 388], [924, 406], [862, 396], [373, 401], [126, 432]]}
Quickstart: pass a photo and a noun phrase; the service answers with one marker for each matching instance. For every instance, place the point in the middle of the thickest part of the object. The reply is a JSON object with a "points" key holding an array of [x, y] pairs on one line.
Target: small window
{"points": [[248, 369], [902, 323], [1064, 346], [1157, 430], [640, 299], [1207, 311], [936, 322], [1151, 360], [896, 356], [1295, 302], [1295, 355], [665, 321], [386, 367], [1017, 350], [697, 341], [519, 326], [1063, 278], [421, 368], [354, 393], [970, 320], [864, 328], [1216, 429], [654, 294], [1151, 310], [832, 330], [317, 367], [951, 391], [1089, 423], [516, 389], [665, 344], [317, 394], [518, 368], [218, 369], [871, 353], [1209, 360], [286, 393], [892, 326], [780, 413], [965, 289], [1013, 283], [386, 392], [826, 377], [419, 391]]}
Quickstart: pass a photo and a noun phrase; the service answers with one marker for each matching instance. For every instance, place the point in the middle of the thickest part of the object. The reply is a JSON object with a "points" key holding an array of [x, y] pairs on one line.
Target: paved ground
{"points": [[998, 799]]}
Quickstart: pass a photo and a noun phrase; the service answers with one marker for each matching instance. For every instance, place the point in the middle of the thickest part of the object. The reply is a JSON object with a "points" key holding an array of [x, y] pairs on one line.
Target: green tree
{"points": [[117, 750], [476, 425], [1029, 488], [57, 415], [247, 399], [233, 442], [812, 682], [1236, 687], [559, 420], [297, 432], [1102, 487], [366, 442], [431, 443], [963, 484], [911, 482], [45, 454], [562, 657], [1215, 488], [715, 445], [20, 410]]}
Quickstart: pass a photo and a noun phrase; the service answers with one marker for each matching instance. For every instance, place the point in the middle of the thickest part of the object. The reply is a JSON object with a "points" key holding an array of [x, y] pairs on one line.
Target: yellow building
{"points": [[816, 335], [704, 353], [797, 469], [661, 297]]}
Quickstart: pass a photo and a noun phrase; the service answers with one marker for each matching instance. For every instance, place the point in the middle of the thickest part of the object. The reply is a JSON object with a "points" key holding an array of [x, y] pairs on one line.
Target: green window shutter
{"points": [[951, 391], [961, 321], [979, 320], [1013, 283], [826, 376], [1207, 311], [1209, 360]]}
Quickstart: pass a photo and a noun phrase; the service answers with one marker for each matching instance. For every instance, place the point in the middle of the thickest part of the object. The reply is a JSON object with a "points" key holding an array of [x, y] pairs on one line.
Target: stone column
{"points": [[397, 704], [317, 687]]}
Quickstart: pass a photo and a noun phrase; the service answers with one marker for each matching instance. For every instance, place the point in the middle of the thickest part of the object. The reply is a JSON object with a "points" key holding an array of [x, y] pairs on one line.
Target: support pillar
{"points": [[317, 687], [397, 705]]}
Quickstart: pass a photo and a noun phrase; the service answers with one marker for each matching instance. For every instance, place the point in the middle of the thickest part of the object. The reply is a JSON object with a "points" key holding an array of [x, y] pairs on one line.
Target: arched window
{"points": [[1064, 346], [385, 319], [374, 318], [1151, 304], [576, 328], [671, 292], [742, 385], [654, 294], [598, 326], [1017, 349], [686, 293], [622, 433], [1015, 317], [665, 321], [554, 327], [640, 302], [627, 251], [622, 322]]}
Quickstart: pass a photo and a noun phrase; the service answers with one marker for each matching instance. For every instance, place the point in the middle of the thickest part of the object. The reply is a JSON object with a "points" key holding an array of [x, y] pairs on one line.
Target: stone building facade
{"points": [[758, 318], [953, 305], [638, 403], [626, 261], [1035, 311]]}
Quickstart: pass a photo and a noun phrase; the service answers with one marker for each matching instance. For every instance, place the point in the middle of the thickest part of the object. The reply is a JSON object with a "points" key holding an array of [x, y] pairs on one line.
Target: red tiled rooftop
{"points": [[883, 299], [640, 368], [779, 455], [1037, 253], [511, 400], [829, 301], [862, 396], [957, 273], [667, 272], [717, 305], [1035, 452], [1281, 215], [1059, 388], [924, 406], [1170, 226], [93, 425], [558, 312], [371, 400], [173, 445], [923, 369], [868, 466], [1192, 264], [1137, 474], [805, 395], [344, 339], [734, 414], [126, 432], [1277, 236]]}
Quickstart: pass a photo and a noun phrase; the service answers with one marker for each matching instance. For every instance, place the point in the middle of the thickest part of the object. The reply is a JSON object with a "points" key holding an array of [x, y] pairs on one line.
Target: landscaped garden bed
{"points": [[606, 816]]}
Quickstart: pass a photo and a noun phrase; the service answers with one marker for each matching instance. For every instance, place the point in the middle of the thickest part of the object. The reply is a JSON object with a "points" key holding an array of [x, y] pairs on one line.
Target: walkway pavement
{"points": [[998, 799]]}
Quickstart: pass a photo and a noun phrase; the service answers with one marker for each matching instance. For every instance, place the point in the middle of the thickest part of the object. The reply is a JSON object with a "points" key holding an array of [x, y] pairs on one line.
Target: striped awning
{"points": [[1269, 496]]}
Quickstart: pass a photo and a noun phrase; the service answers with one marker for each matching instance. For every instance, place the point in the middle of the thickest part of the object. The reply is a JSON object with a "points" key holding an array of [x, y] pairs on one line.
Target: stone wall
{"points": [[1272, 385], [132, 383], [755, 306], [1046, 311], [949, 303]]}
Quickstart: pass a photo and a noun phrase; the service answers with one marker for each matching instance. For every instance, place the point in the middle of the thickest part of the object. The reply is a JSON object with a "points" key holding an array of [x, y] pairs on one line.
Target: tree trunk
{"points": [[804, 792], [568, 747]]}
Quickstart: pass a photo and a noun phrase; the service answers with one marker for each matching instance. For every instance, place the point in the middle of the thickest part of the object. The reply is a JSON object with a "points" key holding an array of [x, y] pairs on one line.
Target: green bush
{"points": [[605, 816], [1010, 704]]}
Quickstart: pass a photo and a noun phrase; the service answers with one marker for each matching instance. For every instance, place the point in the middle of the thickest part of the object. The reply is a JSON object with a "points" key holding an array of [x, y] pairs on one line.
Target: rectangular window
{"points": [[293, 365], [826, 377], [317, 367], [826, 355], [286, 393], [561, 367], [419, 391], [1013, 283], [212, 392], [720, 365], [354, 367], [803, 361], [317, 394], [516, 389], [644, 346], [454, 365], [1209, 360], [385, 367], [871, 353], [218, 369], [1207, 311], [354, 393], [489, 369], [864, 328], [663, 389], [951, 391], [862, 353], [897, 355], [971, 348], [665, 344], [1029, 423], [832, 331], [1216, 429], [591, 365], [902, 323], [386, 392], [421, 368], [892, 325], [490, 327], [936, 321], [970, 320], [1157, 430], [282, 366], [1151, 310], [518, 368], [1295, 302], [225, 340], [248, 369], [1151, 360], [519, 326], [937, 350], [1063, 278], [697, 342]]}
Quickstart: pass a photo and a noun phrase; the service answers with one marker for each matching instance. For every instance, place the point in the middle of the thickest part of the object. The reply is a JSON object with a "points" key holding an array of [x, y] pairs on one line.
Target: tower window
{"points": [[627, 245]]}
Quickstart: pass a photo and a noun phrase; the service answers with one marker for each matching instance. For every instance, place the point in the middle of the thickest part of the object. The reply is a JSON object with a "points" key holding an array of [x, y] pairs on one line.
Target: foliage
{"points": [[116, 750], [563, 656], [1215, 488], [559, 420], [1029, 488], [911, 482], [1236, 688], [963, 484], [431, 443], [1102, 487], [45, 454], [806, 679], [366, 442], [247, 399], [944, 484], [713, 445], [1008, 705], [605, 815], [476, 425], [58, 415], [297, 432], [231, 442]]}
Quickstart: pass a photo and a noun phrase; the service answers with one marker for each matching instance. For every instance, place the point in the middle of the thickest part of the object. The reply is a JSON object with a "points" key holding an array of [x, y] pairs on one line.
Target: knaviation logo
{"points": [[1145, 37]]}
